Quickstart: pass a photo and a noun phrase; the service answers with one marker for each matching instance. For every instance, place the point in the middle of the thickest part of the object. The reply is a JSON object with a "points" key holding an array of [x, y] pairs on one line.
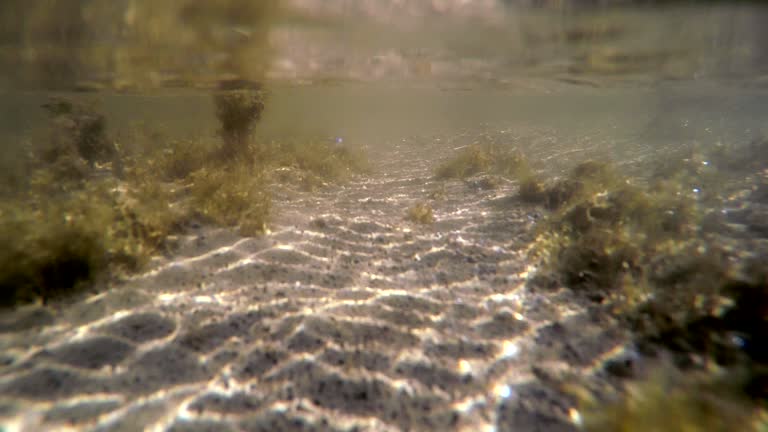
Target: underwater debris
{"points": [[420, 213]]}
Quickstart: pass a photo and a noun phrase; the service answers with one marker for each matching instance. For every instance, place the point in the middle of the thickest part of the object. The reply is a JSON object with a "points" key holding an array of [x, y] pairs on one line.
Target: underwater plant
{"points": [[487, 158], [420, 213], [672, 402], [237, 196], [77, 130], [90, 211], [238, 111], [644, 253]]}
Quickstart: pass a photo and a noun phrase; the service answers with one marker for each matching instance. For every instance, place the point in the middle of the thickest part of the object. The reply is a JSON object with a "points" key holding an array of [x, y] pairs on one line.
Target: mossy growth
{"points": [[486, 158], [238, 111], [236, 196], [420, 213], [678, 402], [643, 251], [77, 130], [312, 162], [90, 210], [584, 181], [45, 257], [604, 233]]}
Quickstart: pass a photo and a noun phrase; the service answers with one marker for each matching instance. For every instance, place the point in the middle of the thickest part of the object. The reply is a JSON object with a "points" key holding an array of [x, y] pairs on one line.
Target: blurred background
{"points": [[134, 45]]}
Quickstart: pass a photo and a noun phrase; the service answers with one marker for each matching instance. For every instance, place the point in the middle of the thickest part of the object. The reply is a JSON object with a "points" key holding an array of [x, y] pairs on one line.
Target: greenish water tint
{"points": [[673, 99]]}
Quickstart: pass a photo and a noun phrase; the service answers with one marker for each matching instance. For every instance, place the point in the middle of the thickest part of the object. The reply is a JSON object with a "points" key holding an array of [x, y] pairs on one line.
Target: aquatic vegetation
{"points": [[677, 402], [89, 210], [484, 158], [238, 111], [420, 213], [77, 130], [531, 190], [646, 255], [177, 159], [234, 196], [315, 161], [603, 228], [44, 257]]}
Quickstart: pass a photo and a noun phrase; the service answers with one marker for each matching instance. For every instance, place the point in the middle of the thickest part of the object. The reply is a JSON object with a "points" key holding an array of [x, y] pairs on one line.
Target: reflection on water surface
{"points": [[473, 215]]}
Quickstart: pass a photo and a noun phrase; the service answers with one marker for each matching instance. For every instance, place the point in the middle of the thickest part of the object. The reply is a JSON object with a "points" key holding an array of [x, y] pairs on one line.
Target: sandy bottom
{"points": [[344, 317]]}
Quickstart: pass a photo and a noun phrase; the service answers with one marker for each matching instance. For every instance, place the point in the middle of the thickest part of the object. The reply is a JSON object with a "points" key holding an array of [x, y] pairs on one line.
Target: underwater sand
{"points": [[345, 315]]}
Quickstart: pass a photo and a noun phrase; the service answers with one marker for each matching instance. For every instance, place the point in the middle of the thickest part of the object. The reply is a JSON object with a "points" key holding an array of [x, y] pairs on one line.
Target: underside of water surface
{"points": [[383, 215]]}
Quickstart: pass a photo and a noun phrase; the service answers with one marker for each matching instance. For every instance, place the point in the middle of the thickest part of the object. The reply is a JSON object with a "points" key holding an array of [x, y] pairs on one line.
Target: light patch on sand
{"points": [[464, 367], [235, 265], [205, 299], [185, 262], [374, 276], [575, 416], [529, 270], [460, 240], [504, 297], [469, 404], [168, 297], [280, 407], [503, 391], [394, 292], [509, 350]]}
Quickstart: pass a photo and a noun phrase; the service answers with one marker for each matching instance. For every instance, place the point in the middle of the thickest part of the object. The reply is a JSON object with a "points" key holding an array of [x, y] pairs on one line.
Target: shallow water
{"points": [[345, 315]]}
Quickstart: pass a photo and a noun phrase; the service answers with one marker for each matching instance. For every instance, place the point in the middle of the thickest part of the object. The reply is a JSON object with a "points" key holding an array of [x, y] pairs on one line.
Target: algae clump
{"points": [[420, 213], [90, 210], [488, 158], [677, 402], [644, 253]]}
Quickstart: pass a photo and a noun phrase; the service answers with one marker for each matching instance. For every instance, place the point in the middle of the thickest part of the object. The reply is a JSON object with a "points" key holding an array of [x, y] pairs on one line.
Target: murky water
{"points": [[344, 314]]}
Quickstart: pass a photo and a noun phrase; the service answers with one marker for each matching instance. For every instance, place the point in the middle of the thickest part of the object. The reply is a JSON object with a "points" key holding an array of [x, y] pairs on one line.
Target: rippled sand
{"points": [[344, 317]]}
